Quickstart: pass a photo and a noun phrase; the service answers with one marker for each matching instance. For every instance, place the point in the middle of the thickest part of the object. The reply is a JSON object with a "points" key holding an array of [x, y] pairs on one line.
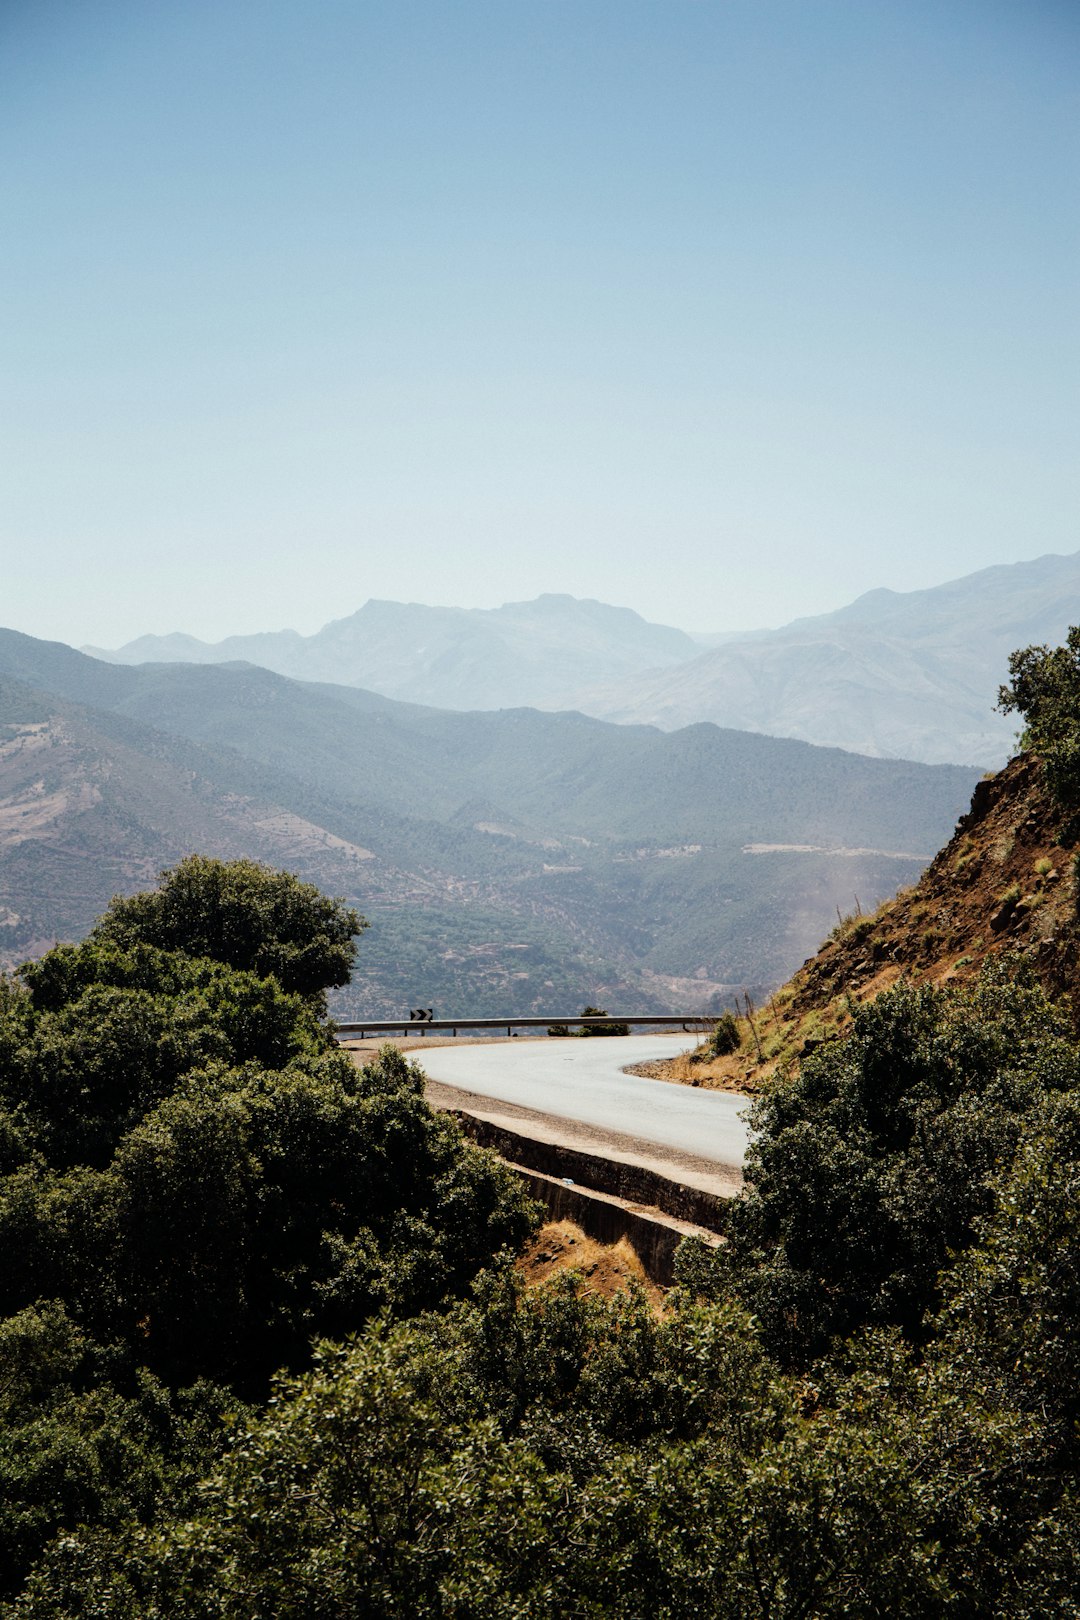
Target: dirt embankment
{"points": [[618, 1206], [1004, 882], [606, 1268]]}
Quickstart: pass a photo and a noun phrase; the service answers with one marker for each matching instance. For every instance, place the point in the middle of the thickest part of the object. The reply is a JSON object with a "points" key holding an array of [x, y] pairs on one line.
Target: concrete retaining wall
{"points": [[653, 1238], [631, 1182]]}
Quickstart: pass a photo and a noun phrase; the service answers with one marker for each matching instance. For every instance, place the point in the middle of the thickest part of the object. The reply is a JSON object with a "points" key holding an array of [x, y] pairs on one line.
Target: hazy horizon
{"points": [[690, 629]]}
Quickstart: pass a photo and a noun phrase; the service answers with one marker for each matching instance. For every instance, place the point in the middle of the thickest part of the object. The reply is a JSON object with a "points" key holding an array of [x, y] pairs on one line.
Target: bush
{"points": [[1045, 690], [610, 1028], [725, 1037], [864, 1404], [873, 1165], [194, 1182], [246, 915]]}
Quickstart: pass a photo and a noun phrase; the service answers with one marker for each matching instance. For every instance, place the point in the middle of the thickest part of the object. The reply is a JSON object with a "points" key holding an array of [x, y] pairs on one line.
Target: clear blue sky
{"points": [[725, 310]]}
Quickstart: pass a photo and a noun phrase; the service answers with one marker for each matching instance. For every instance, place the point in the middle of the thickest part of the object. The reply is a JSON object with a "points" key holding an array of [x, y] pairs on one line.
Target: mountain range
{"points": [[509, 861], [537, 653], [910, 675], [903, 675]]}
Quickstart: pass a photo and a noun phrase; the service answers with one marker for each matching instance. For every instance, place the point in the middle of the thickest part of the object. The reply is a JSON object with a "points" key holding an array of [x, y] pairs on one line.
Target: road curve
{"points": [[582, 1080]]}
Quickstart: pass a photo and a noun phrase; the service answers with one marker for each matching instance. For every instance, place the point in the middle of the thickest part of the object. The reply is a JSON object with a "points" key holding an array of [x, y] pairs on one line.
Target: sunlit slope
{"points": [[1003, 886]]}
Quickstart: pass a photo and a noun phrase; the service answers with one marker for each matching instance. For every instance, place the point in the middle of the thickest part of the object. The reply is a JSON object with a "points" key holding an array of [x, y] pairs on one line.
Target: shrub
{"points": [[610, 1028], [246, 915], [1045, 690], [872, 1165], [725, 1037]]}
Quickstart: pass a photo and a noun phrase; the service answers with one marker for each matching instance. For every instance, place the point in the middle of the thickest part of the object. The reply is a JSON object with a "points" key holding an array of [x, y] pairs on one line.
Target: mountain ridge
{"points": [[522, 652], [897, 674]]}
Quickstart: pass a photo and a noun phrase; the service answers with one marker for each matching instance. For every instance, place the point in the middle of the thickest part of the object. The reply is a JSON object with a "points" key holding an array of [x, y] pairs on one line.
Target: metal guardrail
{"points": [[692, 1023]]}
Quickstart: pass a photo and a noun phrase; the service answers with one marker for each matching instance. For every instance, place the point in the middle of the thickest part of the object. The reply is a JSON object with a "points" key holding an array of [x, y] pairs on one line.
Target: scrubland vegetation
{"points": [[866, 1403], [264, 1353]]}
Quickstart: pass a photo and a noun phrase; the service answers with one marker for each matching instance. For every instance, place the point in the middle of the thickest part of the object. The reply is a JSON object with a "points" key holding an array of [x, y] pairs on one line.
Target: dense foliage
{"points": [[870, 1169], [239, 912], [724, 1038], [195, 1182], [1045, 690], [611, 1027], [866, 1404], [546, 1454]]}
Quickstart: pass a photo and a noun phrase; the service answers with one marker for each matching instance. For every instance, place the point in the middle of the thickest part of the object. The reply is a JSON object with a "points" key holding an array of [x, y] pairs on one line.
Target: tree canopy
{"points": [[195, 1182], [1045, 690], [263, 1349], [243, 914]]}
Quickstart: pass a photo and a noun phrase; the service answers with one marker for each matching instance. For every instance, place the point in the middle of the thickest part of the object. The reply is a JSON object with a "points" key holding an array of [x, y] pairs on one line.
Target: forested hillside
{"points": [[509, 862]]}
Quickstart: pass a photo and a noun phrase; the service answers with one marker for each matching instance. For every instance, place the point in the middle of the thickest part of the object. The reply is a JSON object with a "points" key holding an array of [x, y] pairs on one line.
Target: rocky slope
{"points": [[1003, 883]]}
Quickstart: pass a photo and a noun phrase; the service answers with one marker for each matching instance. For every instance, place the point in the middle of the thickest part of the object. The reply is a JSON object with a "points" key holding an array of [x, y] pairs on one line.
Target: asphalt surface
{"points": [[582, 1080]]}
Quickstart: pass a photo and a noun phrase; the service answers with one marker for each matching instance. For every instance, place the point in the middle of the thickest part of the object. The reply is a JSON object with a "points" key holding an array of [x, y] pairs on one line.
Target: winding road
{"points": [[582, 1080]]}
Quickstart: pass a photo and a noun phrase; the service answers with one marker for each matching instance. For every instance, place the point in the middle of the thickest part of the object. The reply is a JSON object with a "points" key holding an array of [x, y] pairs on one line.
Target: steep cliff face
{"points": [[1003, 883]]}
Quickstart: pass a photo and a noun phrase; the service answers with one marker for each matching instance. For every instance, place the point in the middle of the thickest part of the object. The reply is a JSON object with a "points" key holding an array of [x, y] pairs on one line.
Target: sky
{"points": [[722, 310]]}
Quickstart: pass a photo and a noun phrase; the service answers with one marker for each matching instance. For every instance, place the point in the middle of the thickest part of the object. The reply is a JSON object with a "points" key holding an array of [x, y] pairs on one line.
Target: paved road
{"points": [[582, 1080]]}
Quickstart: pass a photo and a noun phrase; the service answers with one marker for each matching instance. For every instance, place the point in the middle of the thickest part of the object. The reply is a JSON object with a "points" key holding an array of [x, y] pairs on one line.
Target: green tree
{"points": [[103, 1034], [612, 1027], [865, 1404], [194, 1183], [258, 920], [271, 1205], [1011, 1318], [871, 1166], [1045, 689], [535, 1454], [725, 1037], [87, 1437]]}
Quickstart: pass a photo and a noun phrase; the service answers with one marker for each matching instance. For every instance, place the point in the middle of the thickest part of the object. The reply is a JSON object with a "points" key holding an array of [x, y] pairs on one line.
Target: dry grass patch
{"points": [[606, 1268]]}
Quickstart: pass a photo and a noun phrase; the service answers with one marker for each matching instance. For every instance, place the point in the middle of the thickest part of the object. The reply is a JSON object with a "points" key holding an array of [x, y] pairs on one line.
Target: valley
{"points": [[508, 862]]}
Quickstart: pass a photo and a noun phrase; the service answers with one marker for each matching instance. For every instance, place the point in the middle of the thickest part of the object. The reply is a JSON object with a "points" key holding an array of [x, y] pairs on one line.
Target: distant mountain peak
{"points": [[533, 653], [901, 674]]}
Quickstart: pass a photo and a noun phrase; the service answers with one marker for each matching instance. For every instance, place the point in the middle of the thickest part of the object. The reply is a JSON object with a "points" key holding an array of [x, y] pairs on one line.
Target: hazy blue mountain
{"points": [[508, 860], [911, 675], [551, 773], [458, 658]]}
